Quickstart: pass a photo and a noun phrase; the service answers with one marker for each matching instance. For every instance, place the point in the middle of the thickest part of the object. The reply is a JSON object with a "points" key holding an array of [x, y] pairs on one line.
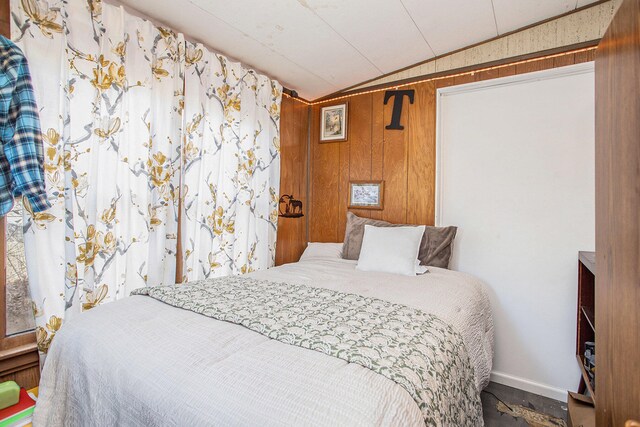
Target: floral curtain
{"points": [[231, 167], [134, 117], [110, 89]]}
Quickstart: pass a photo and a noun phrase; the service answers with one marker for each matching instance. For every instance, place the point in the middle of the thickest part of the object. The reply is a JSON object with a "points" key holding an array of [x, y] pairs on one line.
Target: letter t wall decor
{"points": [[398, 96]]}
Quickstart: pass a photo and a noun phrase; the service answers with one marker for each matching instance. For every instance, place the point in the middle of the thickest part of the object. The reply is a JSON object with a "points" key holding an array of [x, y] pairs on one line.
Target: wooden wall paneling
{"points": [[395, 166], [20, 364], [617, 220], [468, 78], [562, 61], [292, 232], [587, 56], [311, 183], [4, 18], [285, 232], [540, 65], [446, 82], [530, 67], [420, 133], [404, 159], [488, 74], [325, 185], [344, 150], [26, 378], [361, 150], [507, 71], [301, 132], [377, 143]]}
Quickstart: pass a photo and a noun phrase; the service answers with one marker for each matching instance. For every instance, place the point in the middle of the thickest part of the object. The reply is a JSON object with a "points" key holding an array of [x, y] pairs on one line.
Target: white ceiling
{"points": [[321, 46]]}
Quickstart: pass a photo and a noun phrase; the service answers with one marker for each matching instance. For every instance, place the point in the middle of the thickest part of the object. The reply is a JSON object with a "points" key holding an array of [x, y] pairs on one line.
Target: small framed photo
{"points": [[333, 123], [366, 194]]}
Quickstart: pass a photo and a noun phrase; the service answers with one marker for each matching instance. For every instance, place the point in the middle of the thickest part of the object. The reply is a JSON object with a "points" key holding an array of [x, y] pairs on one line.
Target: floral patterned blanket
{"points": [[416, 350]]}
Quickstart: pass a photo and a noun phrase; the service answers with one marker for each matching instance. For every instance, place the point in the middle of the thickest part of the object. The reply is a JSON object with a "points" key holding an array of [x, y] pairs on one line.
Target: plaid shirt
{"points": [[21, 157]]}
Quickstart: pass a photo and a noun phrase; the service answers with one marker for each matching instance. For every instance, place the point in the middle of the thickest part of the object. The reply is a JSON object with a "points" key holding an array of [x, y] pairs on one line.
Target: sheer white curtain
{"points": [[231, 167], [110, 89]]}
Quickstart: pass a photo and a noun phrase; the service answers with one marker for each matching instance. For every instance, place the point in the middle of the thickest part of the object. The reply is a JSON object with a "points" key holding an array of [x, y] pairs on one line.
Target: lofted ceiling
{"points": [[321, 46]]}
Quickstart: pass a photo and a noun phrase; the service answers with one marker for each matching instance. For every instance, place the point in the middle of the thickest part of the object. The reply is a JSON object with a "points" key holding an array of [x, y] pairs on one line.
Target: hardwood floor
{"points": [[520, 402]]}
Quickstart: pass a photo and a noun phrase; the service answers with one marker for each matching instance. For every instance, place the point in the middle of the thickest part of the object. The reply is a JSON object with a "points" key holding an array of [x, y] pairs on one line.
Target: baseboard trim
{"points": [[530, 386]]}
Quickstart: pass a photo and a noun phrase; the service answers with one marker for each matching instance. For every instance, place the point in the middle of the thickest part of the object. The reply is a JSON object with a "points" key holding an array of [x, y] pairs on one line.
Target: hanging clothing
{"points": [[21, 157]]}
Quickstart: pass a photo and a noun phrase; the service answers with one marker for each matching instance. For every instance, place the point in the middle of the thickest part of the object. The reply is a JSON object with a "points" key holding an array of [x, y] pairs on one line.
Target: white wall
{"points": [[516, 175]]}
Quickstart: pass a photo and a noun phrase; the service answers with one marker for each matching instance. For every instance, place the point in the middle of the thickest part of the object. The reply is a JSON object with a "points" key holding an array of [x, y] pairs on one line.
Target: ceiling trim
{"points": [[526, 27], [293, 94], [505, 62]]}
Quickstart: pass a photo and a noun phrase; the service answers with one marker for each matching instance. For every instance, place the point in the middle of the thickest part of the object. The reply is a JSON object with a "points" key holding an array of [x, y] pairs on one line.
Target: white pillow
{"points": [[322, 250], [390, 249]]}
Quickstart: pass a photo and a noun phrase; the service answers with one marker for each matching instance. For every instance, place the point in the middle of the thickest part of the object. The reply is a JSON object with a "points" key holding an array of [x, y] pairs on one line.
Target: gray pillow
{"points": [[435, 249]]}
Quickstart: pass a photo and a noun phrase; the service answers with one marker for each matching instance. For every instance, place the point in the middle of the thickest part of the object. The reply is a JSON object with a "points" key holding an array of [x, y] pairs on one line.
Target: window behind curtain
{"points": [[19, 312]]}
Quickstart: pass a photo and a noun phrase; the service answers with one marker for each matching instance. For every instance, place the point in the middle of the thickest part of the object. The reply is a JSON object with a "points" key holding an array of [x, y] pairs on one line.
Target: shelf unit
{"points": [[586, 311], [586, 331], [586, 321], [585, 377]]}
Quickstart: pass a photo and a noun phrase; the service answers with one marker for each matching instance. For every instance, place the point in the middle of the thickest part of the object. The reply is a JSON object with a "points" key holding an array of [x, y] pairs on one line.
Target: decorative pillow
{"points": [[435, 249], [322, 250], [390, 250]]}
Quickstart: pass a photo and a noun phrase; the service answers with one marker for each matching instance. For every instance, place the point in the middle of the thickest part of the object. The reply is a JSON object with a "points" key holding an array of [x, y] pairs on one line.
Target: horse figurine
{"points": [[292, 207]]}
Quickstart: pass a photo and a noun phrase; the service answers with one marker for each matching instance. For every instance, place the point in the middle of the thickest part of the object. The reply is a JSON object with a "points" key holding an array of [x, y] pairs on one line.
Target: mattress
{"points": [[139, 361]]}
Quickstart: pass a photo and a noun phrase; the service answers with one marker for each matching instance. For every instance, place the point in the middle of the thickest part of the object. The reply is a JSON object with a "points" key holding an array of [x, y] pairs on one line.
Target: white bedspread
{"points": [[139, 362]]}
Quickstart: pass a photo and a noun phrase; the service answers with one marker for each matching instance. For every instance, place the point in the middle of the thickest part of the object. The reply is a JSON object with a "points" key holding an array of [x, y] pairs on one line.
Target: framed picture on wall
{"points": [[366, 194], [333, 123]]}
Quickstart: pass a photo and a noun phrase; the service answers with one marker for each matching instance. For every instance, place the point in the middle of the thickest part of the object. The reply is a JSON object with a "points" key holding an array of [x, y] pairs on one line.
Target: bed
{"points": [[141, 361]]}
